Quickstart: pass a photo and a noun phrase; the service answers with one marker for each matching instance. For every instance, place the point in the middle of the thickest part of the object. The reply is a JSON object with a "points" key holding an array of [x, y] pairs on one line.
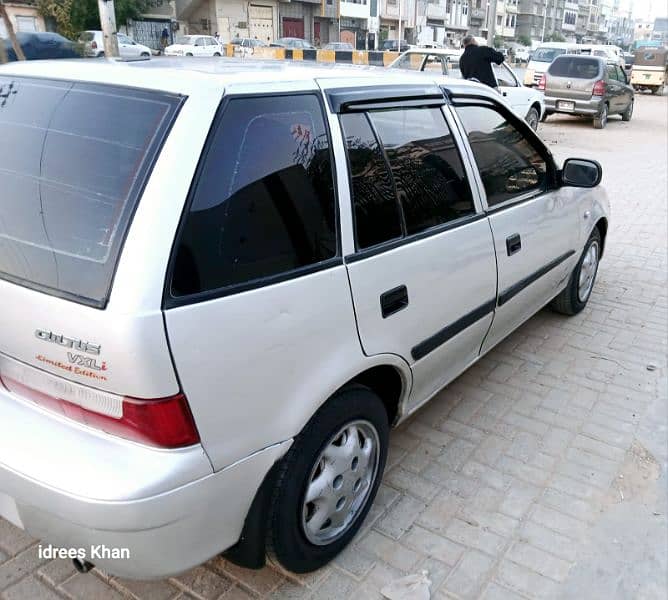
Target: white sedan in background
{"points": [[525, 101], [195, 45]]}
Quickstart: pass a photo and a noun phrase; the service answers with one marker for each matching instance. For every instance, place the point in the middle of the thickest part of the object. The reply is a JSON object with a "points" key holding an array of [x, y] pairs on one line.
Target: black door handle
{"points": [[513, 244], [393, 301]]}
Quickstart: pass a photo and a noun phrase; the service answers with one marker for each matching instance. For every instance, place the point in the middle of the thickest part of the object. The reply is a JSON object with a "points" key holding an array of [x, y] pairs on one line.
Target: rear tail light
{"points": [[599, 88], [94, 45], [162, 422], [542, 82]]}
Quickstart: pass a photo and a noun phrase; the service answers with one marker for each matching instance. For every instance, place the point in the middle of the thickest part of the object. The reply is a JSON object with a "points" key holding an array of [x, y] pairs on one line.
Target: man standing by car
{"points": [[476, 62]]}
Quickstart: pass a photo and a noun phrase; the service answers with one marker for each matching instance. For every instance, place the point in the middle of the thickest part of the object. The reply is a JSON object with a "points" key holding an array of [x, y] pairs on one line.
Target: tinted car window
{"points": [[427, 169], [377, 213], [264, 204], [69, 180], [509, 165], [612, 73], [575, 67]]}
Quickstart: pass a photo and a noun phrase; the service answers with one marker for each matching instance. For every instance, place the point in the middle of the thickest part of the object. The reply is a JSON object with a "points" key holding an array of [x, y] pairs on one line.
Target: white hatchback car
{"points": [[217, 300], [525, 101], [93, 44], [195, 45]]}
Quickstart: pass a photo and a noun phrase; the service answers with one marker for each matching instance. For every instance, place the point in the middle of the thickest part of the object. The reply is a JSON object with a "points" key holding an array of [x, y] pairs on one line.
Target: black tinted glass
{"points": [[509, 165], [264, 204], [426, 166], [377, 217], [70, 178], [575, 67]]}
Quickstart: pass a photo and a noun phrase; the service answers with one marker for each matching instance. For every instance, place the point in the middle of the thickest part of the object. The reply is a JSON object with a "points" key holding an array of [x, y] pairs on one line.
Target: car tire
{"points": [[189, 53], [353, 420], [658, 90], [145, 54], [545, 116], [601, 120], [532, 118], [574, 297], [628, 113], [216, 53]]}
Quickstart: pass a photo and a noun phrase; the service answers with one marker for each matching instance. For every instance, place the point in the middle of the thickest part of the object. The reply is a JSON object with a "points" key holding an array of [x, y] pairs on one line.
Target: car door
{"points": [[615, 90], [534, 224], [422, 274], [199, 47], [510, 88], [627, 90], [126, 47]]}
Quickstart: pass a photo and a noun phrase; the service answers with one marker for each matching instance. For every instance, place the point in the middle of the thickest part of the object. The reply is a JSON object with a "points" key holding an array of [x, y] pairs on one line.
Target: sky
{"points": [[650, 9]]}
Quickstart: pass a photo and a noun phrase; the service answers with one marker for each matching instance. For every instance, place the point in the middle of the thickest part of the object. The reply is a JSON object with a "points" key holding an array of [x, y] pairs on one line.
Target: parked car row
{"points": [[41, 46]]}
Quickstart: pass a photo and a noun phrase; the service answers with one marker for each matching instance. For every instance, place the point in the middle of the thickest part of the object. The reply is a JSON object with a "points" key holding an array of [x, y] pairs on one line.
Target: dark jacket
{"points": [[477, 62]]}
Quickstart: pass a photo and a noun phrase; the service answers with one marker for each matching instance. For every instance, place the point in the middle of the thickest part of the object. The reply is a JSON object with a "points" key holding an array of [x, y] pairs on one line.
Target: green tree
{"points": [[498, 41], [555, 36], [525, 40], [72, 16]]}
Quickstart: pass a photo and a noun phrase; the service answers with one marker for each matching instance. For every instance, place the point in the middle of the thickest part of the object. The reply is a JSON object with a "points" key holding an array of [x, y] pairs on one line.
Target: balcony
{"points": [[436, 11], [477, 14]]}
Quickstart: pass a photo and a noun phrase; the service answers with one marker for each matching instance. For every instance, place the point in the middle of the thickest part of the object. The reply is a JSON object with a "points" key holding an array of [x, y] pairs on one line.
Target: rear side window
{"points": [[407, 174], [264, 205], [428, 172], [73, 161], [509, 164], [575, 67]]}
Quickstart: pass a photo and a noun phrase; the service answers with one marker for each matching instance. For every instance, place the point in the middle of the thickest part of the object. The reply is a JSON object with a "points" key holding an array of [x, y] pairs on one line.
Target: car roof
{"points": [[433, 51], [192, 76]]}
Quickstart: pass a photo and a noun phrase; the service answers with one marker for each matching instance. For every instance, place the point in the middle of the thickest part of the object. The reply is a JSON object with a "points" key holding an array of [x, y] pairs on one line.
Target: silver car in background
{"points": [[587, 86], [216, 301]]}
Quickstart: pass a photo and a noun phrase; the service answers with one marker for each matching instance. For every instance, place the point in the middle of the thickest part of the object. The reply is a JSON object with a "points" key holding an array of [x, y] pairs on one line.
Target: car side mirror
{"points": [[581, 172]]}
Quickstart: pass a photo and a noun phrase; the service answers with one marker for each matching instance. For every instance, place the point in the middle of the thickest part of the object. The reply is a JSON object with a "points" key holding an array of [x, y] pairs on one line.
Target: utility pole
{"points": [[542, 36], [12, 36], [399, 40], [491, 25], [108, 22]]}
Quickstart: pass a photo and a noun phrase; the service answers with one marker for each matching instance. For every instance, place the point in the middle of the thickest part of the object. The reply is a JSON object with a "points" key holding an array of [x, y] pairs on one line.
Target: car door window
{"points": [[503, 76], [621, 75], [264, 203], [376, 208], [612, 73], [509, 164], [428, 172], [413, 61]]}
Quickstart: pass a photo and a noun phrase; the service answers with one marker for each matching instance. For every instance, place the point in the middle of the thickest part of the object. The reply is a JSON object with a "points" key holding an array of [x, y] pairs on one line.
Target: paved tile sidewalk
{"points": [[518, 480]]}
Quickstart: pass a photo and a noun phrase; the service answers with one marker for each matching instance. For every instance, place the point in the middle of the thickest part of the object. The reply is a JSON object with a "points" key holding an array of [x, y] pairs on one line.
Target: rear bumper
{"points": [[590, 107], [134, 511]]}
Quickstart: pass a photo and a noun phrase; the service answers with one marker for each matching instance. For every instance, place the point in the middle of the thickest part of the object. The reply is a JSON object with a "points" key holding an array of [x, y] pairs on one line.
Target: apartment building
{"points": [[390, 12], [506, 19], [540, 19], [23, 16], [442, 21], [314, 20]]}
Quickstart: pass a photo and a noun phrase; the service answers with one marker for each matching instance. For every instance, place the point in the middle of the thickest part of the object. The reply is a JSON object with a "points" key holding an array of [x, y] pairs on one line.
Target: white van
{"points": [[609, 52], [543, 56]]}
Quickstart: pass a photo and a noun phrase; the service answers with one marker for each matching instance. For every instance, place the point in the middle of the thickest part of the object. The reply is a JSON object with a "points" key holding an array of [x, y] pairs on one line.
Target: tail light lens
{"points": [[162, 422], [94, 45], [599, 88], [542, 82]]}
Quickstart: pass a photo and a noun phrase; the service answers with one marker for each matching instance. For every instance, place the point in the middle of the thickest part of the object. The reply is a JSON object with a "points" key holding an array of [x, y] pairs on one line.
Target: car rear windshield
{"points": [[86, 36], [547, 54], [575, 67], [73, 161]]}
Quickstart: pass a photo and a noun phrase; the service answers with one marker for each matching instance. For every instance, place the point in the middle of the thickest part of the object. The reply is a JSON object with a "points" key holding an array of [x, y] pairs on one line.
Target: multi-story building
{"points": [[314, 20], [23, 15], [540, 19], [506, 19], [389, 14], [442, 21], [477, 17]]}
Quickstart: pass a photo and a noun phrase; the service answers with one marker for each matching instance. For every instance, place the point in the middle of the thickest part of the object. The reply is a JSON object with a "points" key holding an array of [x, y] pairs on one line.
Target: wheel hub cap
{"points": [[588, 272], [340, 482]]}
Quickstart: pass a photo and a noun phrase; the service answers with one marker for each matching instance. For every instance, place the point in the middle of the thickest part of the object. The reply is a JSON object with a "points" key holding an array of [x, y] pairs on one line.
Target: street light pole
{"points": [[542, 36], [108, 23], [399, 40], [491, 25]]}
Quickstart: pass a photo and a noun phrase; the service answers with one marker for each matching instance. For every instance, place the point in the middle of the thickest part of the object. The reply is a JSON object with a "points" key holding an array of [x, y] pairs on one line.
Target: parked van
{"points": [[542, 57], [217, 300]]}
